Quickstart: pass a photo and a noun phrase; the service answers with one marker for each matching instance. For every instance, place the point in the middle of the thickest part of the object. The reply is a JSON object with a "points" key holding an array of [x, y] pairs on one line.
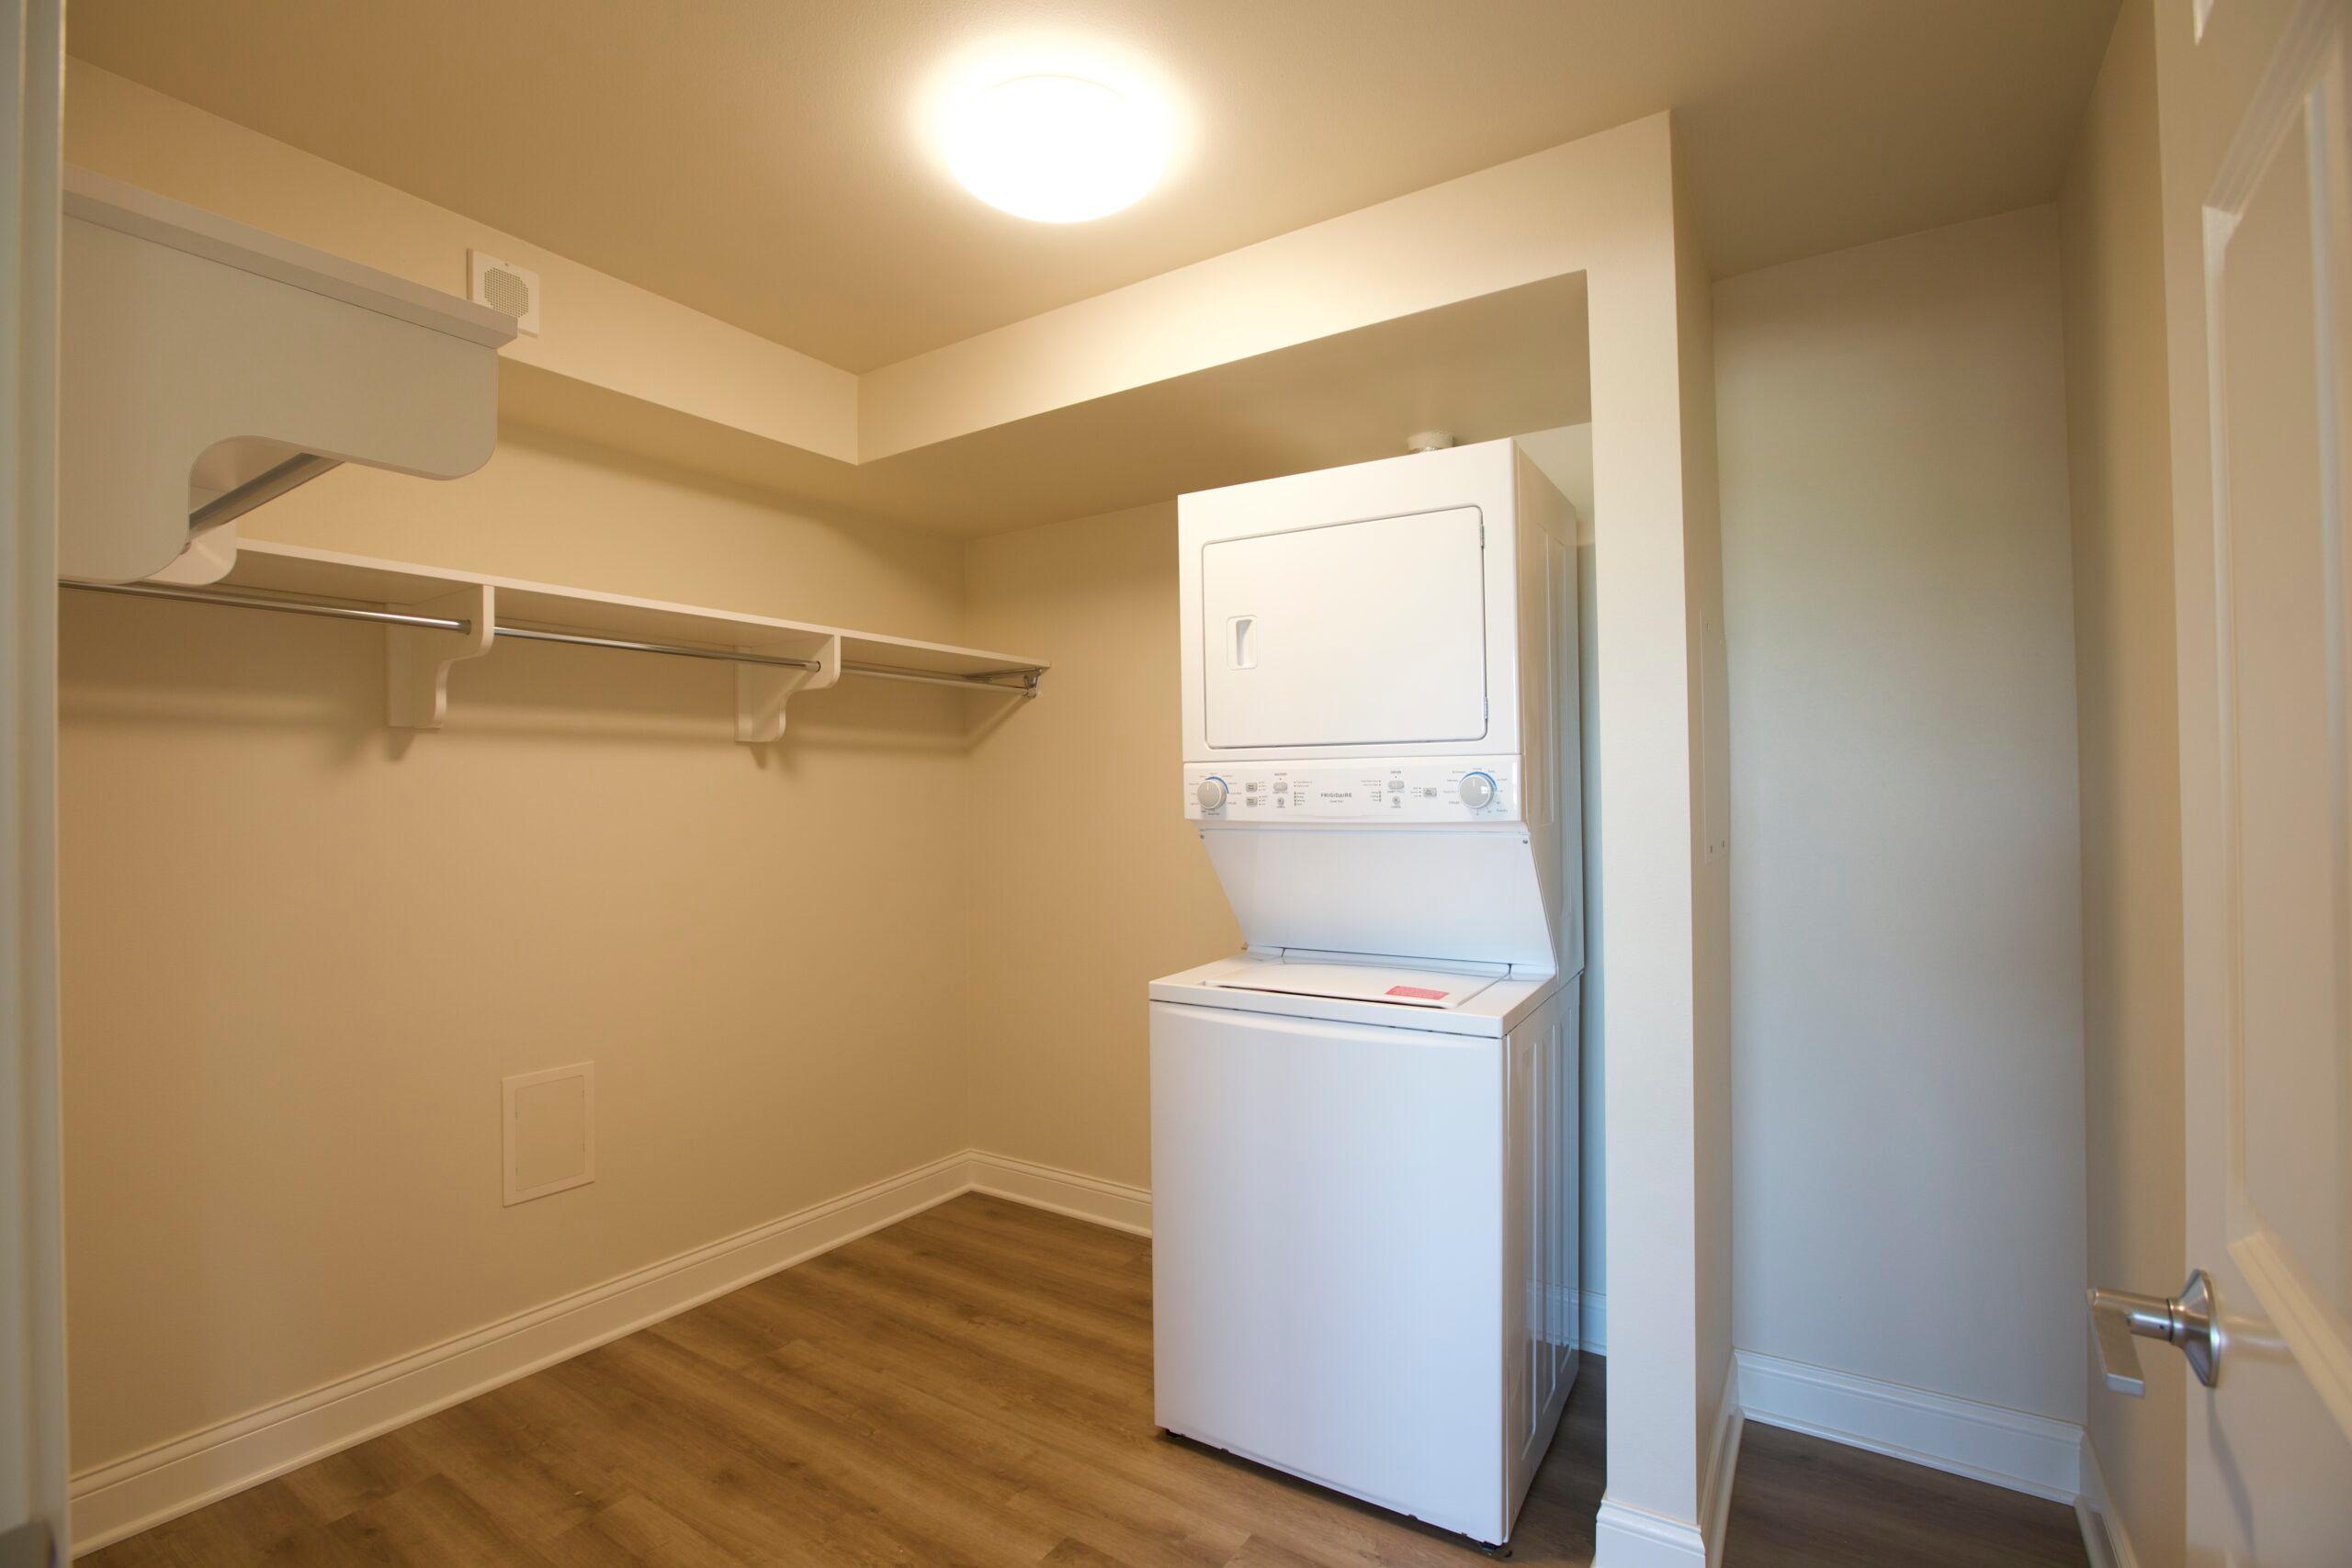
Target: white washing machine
{"points": [[1364, 1126]]}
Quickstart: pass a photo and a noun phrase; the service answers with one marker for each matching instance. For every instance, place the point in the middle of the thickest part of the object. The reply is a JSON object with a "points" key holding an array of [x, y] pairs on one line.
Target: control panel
{"points": [[1450, 789]]}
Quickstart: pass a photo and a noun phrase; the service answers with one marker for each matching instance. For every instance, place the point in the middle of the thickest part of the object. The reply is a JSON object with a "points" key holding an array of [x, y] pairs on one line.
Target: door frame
{"points": [[33, 1455]]}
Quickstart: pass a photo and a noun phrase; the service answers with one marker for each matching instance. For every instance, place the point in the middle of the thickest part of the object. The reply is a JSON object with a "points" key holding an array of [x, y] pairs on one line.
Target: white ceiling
{"points": [[762, 160]]}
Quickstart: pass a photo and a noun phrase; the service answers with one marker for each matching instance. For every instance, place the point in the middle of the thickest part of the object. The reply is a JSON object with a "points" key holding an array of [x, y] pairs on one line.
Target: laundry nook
{"points": [[1376, 1101], [1273, 785]]}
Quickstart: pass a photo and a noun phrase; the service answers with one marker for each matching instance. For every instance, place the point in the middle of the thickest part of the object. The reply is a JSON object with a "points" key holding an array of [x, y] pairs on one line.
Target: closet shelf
{"points": [[436, 617], [207, 366]]}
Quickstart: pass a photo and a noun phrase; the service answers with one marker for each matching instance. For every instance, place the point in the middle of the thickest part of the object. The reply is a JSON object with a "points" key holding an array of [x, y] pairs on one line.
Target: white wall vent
{"points": [[509, 289], [550, 1138]]}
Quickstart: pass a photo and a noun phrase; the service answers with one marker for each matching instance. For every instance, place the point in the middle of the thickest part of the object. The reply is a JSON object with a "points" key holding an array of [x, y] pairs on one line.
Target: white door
{"points": [[1357, 635], [2258, 167], [32, 1327]]}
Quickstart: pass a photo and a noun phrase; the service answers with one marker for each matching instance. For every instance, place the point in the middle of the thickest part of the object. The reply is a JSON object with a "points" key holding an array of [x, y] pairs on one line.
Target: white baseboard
{"points": [[2007, 1447], [127, 1496], [1723, 1465], [1984, 1442], [1627, 1537], [1104, 1202], [2103, 1534]]}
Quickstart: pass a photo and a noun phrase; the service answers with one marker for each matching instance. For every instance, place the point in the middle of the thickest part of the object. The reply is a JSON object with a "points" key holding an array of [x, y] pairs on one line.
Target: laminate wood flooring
{"points": [[1800, 1502], [970, 1386]]}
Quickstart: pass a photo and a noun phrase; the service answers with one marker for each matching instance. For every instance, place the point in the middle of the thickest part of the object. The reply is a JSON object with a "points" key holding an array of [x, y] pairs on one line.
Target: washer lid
{"points": [[1361, 982]]}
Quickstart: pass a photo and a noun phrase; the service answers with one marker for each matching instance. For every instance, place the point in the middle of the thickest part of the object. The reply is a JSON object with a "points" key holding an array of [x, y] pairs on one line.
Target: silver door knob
{"points": [[2188, 1320]]}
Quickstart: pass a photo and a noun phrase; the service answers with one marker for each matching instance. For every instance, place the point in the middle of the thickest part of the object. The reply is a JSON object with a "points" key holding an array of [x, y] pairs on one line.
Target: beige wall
{"points": [[300, 949], [1088, 880], [504, 898], [1906, 983], [2111, 217]]}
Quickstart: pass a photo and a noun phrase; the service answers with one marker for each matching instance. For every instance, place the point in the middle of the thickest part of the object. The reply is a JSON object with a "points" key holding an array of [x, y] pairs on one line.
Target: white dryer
{"points": [[1364, 1127]]}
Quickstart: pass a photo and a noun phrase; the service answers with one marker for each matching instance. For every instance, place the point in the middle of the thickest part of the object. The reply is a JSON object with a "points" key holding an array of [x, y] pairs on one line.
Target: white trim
{"points": [[1627, 1537], [2104, 1539], [1112, 1203], [33, 1444], [1986, 1442], [1723, 1463], [134, 1494]]}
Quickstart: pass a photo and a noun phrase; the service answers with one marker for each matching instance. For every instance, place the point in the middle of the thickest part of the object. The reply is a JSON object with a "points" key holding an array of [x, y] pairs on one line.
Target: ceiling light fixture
{"points": [[1055, 149]]}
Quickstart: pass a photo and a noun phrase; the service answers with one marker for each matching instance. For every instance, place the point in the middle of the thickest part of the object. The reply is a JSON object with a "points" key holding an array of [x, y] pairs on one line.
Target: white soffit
{"points": [[1500, 364]]}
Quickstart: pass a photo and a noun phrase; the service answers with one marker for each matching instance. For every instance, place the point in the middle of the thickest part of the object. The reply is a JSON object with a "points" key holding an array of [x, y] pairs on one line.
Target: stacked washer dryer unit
{"points": [[1364, 1126]]}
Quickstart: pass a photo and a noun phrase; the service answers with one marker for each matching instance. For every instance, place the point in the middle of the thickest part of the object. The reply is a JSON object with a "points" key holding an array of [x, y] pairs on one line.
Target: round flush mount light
{"points": [[1055, 149]]}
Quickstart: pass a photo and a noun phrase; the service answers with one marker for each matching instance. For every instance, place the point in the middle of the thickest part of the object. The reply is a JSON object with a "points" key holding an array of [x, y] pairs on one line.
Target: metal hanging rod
{"points": [[261, 488], [284, 606], [994, 680], [989, 680], [675, 650]]}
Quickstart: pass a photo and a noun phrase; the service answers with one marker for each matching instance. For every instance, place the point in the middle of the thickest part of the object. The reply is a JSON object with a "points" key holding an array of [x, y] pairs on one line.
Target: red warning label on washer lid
{"points": [[1420, 993]]}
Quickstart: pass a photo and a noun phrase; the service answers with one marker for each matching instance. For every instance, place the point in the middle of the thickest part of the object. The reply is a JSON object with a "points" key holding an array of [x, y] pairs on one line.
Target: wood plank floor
{"points": [[971, 1386], [1799, 1501]]}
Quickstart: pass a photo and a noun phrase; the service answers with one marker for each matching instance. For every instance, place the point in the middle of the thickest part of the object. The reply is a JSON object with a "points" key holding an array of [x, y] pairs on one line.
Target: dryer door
{"points": [[1361, 635]]}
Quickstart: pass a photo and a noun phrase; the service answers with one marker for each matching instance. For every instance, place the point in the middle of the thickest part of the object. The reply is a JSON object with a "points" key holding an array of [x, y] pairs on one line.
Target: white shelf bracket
{"points": [[212, 555], [417, 659], [245, 350], [762, 690]]}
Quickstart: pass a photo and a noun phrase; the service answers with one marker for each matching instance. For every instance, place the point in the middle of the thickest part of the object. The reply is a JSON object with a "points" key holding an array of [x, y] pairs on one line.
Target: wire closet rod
{"points": [[989, 679]]}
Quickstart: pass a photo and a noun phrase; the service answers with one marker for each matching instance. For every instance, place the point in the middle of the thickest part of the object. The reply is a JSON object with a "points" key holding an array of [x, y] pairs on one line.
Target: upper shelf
{"points": [[298, 570], [438, 617], [209, 367], [200, 354]]}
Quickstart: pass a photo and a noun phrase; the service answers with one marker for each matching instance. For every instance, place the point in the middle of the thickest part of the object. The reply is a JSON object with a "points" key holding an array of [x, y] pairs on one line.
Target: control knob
{"points": [[1478, 789], [1211, 793]]}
